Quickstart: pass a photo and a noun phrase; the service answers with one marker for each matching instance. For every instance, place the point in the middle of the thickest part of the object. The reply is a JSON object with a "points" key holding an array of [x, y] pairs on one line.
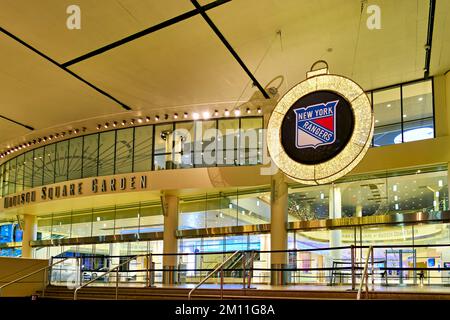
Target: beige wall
{"points": [[14, 268]]}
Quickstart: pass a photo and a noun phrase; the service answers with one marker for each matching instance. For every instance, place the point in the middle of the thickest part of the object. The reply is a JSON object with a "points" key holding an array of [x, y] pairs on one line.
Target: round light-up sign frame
{"points": [[320, 129]]}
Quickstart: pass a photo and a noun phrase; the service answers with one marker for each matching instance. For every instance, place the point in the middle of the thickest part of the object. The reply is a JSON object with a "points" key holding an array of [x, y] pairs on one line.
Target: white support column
{"points": [[29, 234], [359, 210], [335, 212], [278, 231], [170, 203]]}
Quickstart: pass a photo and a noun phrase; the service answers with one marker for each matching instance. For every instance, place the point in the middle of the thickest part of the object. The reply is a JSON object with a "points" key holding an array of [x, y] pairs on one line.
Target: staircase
{"points": [[173, 293]]}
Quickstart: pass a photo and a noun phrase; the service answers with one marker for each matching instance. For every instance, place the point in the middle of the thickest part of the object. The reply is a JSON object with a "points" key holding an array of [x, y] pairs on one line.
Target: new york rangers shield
{"points": [[316, 125]]}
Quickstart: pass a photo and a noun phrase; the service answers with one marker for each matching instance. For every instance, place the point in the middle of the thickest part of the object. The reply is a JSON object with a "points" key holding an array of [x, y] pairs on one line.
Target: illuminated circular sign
{"points": [[320, 129]]}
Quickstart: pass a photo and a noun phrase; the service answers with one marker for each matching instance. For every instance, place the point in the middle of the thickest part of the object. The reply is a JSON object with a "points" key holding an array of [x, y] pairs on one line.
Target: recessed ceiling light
{"points": [[114, 124], [226, 113], [259, 110], [147, 119], [206, 115], [248, 111], [185, 115], [237, 112], [124, 122], [388, 105], [376, 121], [195, 116], [420, 98], [140, 120], [404, 116], [156, 118], [175, 115]]}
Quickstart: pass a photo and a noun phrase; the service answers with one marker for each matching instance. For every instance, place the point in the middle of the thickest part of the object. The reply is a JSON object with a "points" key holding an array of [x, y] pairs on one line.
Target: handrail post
{"points": [[373, 268], [149, 265], [364, 276], [352, 257], [250, 272], [244, 253], [117, 282], [221, 283]]}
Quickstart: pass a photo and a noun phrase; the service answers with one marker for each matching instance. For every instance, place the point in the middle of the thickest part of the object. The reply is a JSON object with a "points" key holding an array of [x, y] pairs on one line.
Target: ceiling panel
{"points": [[185, 64], [43, 23], [313, 30], [37, 93], [10, 130]]}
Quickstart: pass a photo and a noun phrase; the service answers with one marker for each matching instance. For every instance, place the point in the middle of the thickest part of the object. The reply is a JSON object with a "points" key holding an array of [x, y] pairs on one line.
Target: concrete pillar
{"points": [[335, 212], [29, 234], [170, 244], [278, 231]]}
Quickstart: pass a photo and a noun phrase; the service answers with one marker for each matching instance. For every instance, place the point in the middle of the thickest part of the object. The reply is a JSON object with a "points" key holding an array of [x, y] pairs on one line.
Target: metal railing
{"points": [[44, 281], [116, 268], [220, 267], [341, 266]]}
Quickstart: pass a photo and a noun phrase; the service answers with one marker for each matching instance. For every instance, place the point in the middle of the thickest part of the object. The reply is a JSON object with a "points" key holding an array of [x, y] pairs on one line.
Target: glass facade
{"points": [[117, 220], [232, 208], [403, 113], [165, 146]]}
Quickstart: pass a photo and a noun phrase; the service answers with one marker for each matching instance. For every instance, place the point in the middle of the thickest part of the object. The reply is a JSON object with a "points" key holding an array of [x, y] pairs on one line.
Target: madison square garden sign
{"points": [[320, 129]]}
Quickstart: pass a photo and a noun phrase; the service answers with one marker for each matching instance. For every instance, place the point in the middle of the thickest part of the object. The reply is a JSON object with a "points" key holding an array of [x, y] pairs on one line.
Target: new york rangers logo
{"points": [[316, 125]]}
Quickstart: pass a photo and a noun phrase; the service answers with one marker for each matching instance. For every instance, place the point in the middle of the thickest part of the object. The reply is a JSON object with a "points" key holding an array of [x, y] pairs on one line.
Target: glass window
{"points": [[44, 227], [387, 111], [90, 155], [5, 178], [49, 164], [38, 167], [228, 146], [418, 192], [124, 150], [253, 206], [106, 148], [28, 170], [127, 219], [19, 172], [2, 168], [308, 203], [103, 221], [75, 158], [81, 223], [151, 218], [205, 146], [251, 141], [163, 147], [418, 111], [12, 176], [61, 161], [143, 137], [61, 226], [183, 144]]}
